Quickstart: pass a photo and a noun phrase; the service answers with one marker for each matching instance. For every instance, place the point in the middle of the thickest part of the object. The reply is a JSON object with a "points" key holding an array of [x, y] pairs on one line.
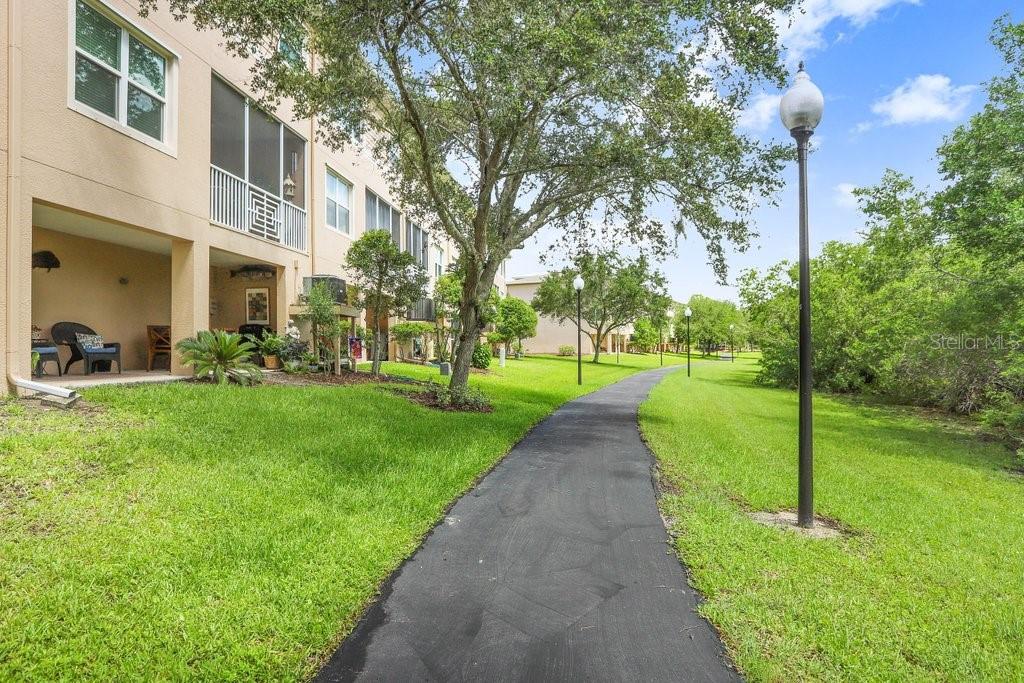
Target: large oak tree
{"points": [[499, 117]]}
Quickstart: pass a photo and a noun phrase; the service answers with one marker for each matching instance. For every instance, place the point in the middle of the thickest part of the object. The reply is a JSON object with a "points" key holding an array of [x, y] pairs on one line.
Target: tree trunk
{"points": [[475, 290], [598, 339], [469, 332], [375, 368], [470, 327]]}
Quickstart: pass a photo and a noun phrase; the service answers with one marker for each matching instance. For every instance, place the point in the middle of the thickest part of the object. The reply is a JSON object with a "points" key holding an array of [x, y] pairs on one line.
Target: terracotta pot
{"points": [[272, 362]]}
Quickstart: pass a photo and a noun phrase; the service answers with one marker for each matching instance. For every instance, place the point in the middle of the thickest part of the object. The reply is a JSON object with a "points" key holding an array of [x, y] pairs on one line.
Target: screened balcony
{"points": [[257, 171]]}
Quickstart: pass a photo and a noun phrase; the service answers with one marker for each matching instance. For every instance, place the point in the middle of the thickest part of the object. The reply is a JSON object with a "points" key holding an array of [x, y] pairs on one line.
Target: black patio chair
{"points": [[66, 333], [255, 330]]}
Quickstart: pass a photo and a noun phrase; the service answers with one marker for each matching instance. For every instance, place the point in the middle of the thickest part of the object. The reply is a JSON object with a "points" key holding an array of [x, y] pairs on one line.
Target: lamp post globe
{"points": [[801, 110], [803, 104], [577, 284]]}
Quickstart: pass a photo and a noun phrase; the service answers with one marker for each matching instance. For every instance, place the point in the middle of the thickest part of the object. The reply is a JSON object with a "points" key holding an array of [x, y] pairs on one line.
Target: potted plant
{"points": [[270, 347]]}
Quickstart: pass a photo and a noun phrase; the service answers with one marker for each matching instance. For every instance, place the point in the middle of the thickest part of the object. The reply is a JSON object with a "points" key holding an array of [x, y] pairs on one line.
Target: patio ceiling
{"points": [[91, 227]]}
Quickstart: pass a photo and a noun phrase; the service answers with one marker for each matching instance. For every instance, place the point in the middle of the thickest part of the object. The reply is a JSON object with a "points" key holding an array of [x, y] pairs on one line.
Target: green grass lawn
{"points": [[189, 531], [929, 587]]}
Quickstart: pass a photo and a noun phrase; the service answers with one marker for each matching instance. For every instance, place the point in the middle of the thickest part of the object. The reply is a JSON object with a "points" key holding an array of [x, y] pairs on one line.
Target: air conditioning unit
{"points": [[338, 288]]}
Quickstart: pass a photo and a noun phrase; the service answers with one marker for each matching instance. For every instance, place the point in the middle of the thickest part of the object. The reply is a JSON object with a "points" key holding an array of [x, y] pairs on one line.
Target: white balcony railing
{"points": [[242, 206]]}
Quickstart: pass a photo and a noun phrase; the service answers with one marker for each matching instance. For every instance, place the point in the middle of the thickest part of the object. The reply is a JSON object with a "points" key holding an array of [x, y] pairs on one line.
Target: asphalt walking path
{"points": [[556, 567]]}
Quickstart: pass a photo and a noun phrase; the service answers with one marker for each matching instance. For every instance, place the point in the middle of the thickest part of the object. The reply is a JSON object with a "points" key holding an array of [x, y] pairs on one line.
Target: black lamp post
{"points": [[689, 314], [661, 344], [801, 109], [577, 284], [668, 314]]}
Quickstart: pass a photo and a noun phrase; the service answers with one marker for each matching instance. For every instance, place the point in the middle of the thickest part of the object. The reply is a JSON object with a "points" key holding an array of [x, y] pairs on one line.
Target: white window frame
{"points": [[378, 199], [328, 171], [439, 263], [169, 145]]}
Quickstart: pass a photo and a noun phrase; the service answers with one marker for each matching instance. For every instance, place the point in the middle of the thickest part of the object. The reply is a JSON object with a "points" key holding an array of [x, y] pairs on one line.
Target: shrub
{"points": [[405, 332], [468, 398], [294, 350], [270, 344], [481, 357], [1005, 417], [294, 367], [220, 356], [566, 350]]}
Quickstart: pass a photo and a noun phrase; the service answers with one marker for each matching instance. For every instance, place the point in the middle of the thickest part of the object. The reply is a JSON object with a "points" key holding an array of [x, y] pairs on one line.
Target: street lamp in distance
{"points": [[732, 344], [668, 314], [801, 109], [688, 313], [577, 284]]}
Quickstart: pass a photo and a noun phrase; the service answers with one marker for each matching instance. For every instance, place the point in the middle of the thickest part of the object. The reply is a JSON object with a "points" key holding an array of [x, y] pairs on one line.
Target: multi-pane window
{"points": [[382, 216], [416, 242], [118, 73], [339, 195], [254, 146], [438, 261], [293, 50]]}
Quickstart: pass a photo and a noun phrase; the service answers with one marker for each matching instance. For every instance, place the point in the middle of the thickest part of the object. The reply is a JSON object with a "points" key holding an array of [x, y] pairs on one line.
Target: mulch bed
{"points": [[412, 391], [346, 378], [426, 398]]}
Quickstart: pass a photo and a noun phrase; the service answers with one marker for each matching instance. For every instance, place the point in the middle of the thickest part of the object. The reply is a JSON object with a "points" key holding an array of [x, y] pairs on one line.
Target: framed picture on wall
{"points": [[257, 306]]}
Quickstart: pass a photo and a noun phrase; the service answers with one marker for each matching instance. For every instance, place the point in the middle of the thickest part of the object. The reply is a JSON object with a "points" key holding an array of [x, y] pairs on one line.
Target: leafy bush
{"points": [[495, 338], [469, 398], [645, 335], [566, 350], [270, 344], [405, 332], [325, 325], [221, 357], [294, 350], [481, 357]]}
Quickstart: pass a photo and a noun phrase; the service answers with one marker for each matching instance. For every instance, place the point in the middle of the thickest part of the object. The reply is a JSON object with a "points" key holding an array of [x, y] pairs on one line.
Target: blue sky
{"points": [[897, 76]]}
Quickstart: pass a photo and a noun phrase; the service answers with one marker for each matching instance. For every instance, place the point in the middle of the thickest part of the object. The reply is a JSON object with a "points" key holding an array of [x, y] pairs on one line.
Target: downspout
{"points": [[311, 179], [13, 217]]}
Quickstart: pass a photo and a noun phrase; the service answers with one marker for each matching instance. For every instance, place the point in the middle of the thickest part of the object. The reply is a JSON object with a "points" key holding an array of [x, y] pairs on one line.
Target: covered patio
{"points": [[92, 276]]}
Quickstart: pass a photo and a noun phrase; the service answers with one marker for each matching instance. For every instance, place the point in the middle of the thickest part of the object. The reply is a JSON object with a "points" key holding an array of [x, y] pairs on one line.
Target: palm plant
{"points": [[220, 356]]}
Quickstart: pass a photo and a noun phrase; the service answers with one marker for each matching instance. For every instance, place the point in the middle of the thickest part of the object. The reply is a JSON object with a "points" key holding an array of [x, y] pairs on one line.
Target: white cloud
{"points": [[803, 30], [845, 197], [926, 98], [761, 113]]}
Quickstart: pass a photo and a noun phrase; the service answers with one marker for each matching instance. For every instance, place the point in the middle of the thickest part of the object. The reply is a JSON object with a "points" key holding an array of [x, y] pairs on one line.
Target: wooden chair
{"points": [[158, 341]]}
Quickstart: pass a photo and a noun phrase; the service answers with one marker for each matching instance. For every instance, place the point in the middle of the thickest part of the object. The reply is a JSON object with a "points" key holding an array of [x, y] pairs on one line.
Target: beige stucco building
{"points": [[133, 152], [551, 334]]}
